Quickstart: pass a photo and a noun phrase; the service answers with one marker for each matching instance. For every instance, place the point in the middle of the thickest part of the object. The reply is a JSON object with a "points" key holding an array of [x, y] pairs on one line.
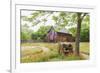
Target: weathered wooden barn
{"points": [[59, 36]]}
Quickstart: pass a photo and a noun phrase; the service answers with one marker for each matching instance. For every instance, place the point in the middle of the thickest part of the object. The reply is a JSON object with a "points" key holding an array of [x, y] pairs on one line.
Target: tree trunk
{"points": [[77, 40]]}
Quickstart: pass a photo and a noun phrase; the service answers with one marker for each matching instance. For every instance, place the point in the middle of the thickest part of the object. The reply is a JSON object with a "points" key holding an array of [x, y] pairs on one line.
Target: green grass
{"points": [[37, 54], [84, 47]]}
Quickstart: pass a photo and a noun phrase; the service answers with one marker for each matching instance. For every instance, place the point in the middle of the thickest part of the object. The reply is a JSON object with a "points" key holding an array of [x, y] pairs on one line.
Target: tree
{"points": [[25, 32], [84, 35], [80, 17]]}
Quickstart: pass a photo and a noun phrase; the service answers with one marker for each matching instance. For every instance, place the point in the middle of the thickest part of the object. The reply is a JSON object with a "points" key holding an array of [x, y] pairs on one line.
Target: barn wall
{"points": [[65, 38], [59, 37]]}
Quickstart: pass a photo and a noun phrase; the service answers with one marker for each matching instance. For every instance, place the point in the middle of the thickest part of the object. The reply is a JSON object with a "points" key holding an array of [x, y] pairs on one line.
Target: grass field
{"points": [[41, 52]]}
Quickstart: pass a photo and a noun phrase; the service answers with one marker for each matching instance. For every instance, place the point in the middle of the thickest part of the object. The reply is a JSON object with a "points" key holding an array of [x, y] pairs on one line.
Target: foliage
{"points": [[40, 34], [60, 19], [25, 32], [84, 34]]}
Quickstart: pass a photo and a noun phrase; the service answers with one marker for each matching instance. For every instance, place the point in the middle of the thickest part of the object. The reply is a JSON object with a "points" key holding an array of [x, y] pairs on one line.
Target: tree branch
{"points": [[83, 16]]}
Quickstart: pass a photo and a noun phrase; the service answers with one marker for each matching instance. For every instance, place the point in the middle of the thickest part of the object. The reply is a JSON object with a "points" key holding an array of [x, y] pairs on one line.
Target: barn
{"points": [[58, 36]]}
